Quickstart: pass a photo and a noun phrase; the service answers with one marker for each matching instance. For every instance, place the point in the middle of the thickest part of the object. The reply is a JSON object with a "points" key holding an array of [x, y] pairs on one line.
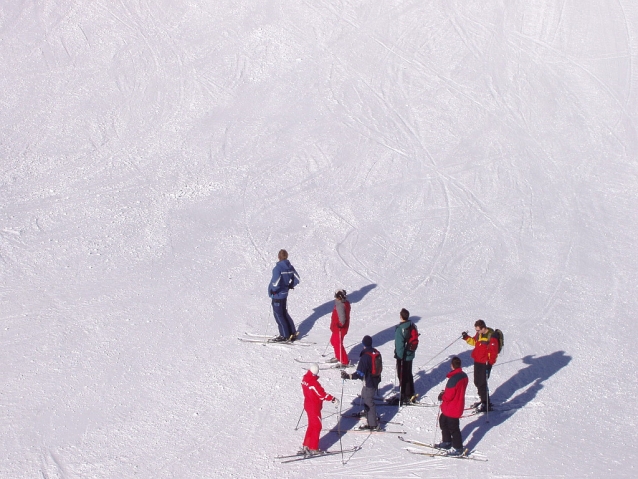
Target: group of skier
{"points": [[486, 348]]}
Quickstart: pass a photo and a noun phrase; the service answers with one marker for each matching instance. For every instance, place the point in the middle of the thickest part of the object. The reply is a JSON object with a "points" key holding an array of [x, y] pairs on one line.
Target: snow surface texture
{"points": [[462, 159]]}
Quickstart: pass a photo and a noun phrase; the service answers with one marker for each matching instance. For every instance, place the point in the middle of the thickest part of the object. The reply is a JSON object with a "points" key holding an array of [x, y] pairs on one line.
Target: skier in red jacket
{"points": [[339, 324], [314, 396], [485, 352], [452, 409]]}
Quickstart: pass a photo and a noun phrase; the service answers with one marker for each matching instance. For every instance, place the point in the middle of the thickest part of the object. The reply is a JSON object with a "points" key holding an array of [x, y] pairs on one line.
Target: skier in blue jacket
{"points": [[284, 278]]}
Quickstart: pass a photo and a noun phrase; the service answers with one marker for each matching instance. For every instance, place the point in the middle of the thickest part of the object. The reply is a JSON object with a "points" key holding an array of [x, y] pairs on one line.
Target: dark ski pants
{"points": [[406, 379], [284, 321], [451, 431], [367, 394], [480, 380]]}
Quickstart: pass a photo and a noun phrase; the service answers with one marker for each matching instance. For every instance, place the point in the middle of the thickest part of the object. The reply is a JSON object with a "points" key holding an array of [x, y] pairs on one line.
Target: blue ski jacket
{"points": [[284, 278]]}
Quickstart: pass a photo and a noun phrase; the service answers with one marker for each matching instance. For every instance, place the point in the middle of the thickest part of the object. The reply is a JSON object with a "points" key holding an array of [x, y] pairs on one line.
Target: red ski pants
{"points": [[314, 429], [337, 344]]}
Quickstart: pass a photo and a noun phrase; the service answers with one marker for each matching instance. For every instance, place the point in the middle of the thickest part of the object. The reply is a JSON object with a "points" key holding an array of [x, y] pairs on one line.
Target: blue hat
{"points": [[367, 341]]}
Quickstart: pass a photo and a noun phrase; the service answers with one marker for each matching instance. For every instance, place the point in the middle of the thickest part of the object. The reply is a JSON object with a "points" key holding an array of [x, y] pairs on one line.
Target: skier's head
{"points": [[456, 362], [340, 294], [367, 341], [405, 314], [283, 254], [314, 368], [480, 326]]}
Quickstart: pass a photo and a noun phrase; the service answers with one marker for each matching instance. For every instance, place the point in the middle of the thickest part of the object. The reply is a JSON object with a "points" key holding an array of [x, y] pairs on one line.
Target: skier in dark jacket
{"points": [[365, 370], [452, 408], [284, 278], [404, 357]]}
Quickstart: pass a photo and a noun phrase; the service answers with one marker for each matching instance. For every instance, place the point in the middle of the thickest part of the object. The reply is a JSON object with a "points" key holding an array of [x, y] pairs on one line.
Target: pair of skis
{"points": [[266, 339], [325, 364], [300, 456], [437, 452]]}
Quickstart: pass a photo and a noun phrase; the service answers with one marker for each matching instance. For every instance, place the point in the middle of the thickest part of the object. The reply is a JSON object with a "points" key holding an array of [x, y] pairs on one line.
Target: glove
{"points": [[345, 375], [441, 395], [335, 401], [464, 335]]}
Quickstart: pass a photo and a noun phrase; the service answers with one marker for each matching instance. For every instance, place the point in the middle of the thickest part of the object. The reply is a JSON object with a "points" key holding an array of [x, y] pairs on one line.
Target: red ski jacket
{"points": [[454, 395], [313, 392], [485, 347], [335, 324]]}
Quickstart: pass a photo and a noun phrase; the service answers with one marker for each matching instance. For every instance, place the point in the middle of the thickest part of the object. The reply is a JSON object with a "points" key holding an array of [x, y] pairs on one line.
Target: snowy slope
{"points": [[463, 160]]}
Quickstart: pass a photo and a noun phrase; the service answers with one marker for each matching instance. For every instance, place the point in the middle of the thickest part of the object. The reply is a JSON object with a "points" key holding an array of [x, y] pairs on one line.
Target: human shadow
{"points": [[349, 421], [324, 309], [530, 379], [424, 380]]}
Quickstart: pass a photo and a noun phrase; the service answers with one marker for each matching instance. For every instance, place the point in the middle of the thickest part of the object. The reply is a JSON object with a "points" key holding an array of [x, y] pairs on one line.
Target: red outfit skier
{"points": [[339, 324], [314, 396], [453, 398]]}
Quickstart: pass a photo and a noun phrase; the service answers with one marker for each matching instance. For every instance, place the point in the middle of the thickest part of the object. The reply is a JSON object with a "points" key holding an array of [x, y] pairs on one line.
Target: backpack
{"points": [[498, 334], [411, 338], [377, 363]]}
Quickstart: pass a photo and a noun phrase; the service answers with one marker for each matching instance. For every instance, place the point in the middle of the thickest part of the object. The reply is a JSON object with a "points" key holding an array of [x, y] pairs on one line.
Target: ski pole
{"points": [[343, 381], [326, 349], [443, 350], [297, 426], [436, 425], [487, 387]]}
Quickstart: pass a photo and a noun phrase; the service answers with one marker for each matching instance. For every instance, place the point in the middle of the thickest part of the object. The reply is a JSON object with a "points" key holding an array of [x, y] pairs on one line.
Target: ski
{"points": [[469, 412], [382, 421], [412, 404], [325, 364], [303, 457], [302, 361], [367, 431], [466, 454], [271, 341]]}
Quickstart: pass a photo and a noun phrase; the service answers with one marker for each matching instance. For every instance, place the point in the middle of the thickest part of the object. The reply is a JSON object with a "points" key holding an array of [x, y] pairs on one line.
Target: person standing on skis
{"points": [[369, 369], [485, 352], [314, 396], [404, 356], [452, 407], [284, 278], [339, 324]]}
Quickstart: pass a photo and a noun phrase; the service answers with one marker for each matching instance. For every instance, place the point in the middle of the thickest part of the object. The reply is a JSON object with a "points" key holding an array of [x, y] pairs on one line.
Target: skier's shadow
{"points": [[326, 308], [530, 379], [425, 380], [347, 422]]}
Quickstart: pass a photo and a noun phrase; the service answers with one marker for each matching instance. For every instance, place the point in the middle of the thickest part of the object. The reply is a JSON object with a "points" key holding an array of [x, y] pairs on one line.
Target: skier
{"points": [[484, 355], [404, 357], [368, 369], [452, 409], [314, 396], [284, 278], [339, 324]]}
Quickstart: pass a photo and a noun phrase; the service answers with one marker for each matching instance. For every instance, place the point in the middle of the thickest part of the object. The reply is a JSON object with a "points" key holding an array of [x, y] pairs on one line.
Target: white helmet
{"points": [[314, 368]]}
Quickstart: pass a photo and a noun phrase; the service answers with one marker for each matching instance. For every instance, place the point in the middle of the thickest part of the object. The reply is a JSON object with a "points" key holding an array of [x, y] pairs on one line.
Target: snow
{"points": [[463, 160]]}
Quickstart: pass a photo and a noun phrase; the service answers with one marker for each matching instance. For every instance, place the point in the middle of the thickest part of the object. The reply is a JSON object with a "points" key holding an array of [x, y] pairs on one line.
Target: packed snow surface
{"points": [[461, 159]]}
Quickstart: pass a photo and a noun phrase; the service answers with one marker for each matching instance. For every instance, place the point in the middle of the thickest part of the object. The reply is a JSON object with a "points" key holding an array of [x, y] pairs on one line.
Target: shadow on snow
{"points": [[530, 379], [326, 308]]}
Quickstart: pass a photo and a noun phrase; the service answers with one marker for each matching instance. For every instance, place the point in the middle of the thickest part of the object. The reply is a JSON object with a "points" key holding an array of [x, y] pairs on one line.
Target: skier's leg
{"points": [[278, 313]]}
